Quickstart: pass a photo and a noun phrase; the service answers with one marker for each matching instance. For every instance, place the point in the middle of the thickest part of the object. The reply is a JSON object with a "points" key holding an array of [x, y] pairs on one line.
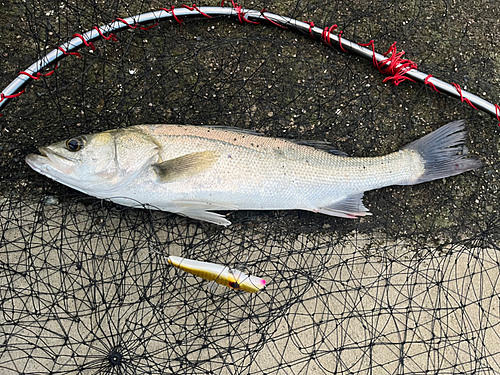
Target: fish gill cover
{"points": [[85, 286]]}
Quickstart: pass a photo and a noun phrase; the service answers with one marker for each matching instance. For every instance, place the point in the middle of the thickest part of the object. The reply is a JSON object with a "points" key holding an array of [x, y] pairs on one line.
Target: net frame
{"points": [[399, 69]]}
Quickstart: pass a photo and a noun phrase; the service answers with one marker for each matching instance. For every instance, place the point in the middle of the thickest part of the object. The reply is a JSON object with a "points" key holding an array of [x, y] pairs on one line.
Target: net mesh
{"points": [[84, 284]]}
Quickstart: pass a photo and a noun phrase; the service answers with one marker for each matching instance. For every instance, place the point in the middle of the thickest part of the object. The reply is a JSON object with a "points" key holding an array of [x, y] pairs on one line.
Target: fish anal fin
{"points": [[185, 166], [351, 207]]}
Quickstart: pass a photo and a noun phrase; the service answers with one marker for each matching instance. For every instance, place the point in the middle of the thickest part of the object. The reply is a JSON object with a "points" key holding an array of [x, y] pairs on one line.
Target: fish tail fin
{"points": [[444, 153]]}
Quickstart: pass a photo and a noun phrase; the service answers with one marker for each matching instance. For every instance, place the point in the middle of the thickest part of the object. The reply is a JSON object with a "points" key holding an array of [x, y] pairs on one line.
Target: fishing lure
{"points": [[222, 275]]}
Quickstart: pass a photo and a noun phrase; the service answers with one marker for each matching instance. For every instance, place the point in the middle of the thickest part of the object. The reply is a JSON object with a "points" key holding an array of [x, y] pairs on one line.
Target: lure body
{"points": [[222, 275]]}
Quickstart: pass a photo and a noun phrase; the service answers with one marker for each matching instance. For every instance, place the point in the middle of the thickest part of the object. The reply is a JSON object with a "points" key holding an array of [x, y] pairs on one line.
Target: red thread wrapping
{"points": [[497, 112], [325, 35], [426, 81], [88, 44], [394, 66], [237, 8], [241, 16], [134, 26], [371, 43], [69, 53], [197, 9], [171, 10], [340, 41], [273, 22], [397, 67], [148, 27], [179, 21], [3, 96], [311, 25], [40, 75], [111, 36], [462, 99]]}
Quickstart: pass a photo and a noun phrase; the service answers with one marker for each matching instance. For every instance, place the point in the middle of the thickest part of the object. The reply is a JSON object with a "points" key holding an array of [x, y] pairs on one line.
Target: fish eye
{"points": [[75, 144], [234, 285]]}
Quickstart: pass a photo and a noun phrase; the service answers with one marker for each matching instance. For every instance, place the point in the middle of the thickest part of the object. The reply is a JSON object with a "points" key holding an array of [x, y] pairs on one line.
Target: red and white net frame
{"points": [[390, 63]]}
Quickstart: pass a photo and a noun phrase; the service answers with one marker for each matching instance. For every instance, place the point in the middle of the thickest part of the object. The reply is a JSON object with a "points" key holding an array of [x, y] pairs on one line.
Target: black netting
{"points": [[84, 284]]}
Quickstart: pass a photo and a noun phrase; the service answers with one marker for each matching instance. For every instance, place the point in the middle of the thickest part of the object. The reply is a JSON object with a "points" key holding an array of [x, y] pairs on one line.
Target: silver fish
{"points": [[195, 170]]}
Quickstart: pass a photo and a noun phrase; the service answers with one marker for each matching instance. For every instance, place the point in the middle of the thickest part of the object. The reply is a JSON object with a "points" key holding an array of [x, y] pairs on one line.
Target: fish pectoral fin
{"points": [[351, 207], [199, 211], [186, 165]]}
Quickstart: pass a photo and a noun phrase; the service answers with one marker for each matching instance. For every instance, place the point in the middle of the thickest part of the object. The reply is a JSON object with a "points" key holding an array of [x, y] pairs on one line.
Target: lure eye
{"points": [[234, 285], [75, 144]]}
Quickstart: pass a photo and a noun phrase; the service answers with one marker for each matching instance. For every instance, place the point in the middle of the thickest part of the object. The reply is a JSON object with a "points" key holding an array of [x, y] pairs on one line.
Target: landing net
{"points": [[85, 286]]}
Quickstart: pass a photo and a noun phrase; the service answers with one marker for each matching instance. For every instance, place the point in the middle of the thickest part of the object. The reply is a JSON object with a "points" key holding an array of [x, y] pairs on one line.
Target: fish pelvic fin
{"points": [[351, 207], [202, 211], [185, 166], [443, 152], [210, 217]]}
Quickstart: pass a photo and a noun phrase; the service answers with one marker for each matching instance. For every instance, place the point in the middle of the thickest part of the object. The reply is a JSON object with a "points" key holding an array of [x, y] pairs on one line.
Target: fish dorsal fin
{"points": [[185, 166], [350, 207], [234, 129], [320, 145]]}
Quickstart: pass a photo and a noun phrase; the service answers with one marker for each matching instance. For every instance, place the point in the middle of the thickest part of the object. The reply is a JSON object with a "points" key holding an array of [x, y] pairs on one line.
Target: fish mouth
{"points": [[47, 152], [42, 151], [50, 163]]}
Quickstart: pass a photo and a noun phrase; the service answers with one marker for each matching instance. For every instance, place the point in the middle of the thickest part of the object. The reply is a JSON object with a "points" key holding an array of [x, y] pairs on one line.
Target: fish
{"points": [[223, 275], [197, 171]]}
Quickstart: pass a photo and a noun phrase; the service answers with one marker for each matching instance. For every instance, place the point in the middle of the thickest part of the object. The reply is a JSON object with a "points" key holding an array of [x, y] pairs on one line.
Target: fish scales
{"points": [[196, 170], [280, 173]]}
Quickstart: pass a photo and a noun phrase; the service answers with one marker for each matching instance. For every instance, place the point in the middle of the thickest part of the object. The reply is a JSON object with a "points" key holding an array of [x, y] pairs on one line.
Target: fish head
{"points": [[96, 164]]}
